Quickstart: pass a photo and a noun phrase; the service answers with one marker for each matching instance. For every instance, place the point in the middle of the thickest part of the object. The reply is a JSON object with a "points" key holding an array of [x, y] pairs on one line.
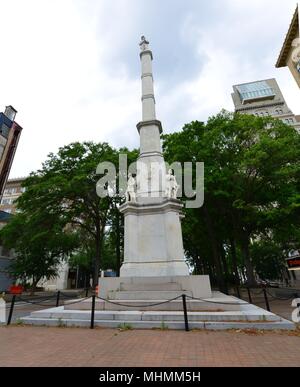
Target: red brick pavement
{"points": [[45, 346]]}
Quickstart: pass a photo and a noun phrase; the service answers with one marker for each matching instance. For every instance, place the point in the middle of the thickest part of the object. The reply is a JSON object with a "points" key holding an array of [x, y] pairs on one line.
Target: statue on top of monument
{"points": [[144, 43], [171, 185], [131, 189]]}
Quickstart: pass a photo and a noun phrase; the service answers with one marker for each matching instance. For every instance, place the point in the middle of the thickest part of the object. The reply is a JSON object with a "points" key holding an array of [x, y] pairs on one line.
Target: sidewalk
{"points": [[44, 346]]}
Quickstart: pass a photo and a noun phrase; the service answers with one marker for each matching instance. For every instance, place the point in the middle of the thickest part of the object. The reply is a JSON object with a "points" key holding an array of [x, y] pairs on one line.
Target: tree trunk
{"points": [[247, 261], [215, 251], [234, 262], [97, 257], [225, 267], [33, 286]]}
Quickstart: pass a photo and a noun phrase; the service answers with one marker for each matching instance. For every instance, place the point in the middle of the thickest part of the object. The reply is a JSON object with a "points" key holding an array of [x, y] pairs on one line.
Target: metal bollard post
{"points": [[186, 321], [11, 309], [57, 298], [266, 300], [86, 292], [249, 295], [93, 312]]}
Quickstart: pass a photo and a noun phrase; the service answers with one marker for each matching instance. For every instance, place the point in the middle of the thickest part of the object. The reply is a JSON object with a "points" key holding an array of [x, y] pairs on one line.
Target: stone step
{"points": [[146, 305], [150, 286], [153, 280], [283, 324], [60, 313], [147, 294]]}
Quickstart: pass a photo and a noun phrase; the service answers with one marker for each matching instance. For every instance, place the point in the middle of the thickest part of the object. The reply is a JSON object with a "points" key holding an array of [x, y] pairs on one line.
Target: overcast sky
{"points": [[71, 67]]}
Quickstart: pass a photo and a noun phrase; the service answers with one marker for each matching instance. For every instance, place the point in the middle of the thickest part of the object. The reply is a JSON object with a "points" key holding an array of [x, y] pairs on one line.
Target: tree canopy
{"points": [[252, 170]]}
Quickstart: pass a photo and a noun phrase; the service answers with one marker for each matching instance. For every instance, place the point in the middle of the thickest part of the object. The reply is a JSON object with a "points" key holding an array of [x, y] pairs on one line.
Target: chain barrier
{"points": [[50, 305], [280, 298], [34, 302], [138, 306], [37, 301], [218, 302], [256, 293], [68, 295]]}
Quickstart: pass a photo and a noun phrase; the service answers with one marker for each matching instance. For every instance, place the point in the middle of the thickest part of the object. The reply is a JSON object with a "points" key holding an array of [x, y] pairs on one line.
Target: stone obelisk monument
{"points": [[153, 238]]}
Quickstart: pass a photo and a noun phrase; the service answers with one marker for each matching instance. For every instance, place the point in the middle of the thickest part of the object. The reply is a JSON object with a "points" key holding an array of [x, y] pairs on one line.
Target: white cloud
{"points": [[68, 67]]}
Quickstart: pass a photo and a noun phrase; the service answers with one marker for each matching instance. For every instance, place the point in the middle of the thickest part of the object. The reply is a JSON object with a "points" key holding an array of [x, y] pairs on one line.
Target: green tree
{"points": [[65, 187], [251, 188], [39, 245], [268, 259]]}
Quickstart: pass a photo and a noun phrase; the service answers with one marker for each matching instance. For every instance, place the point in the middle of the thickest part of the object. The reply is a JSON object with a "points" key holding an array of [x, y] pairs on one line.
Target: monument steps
{"points": [[150, 286], [158, 321], [61, 313], [147, 294], [147, 305], [218, 312]]}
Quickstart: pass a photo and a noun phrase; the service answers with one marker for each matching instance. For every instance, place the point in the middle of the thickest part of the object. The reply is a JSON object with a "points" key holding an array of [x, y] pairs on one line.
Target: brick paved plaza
{"points": [[44, 346]]}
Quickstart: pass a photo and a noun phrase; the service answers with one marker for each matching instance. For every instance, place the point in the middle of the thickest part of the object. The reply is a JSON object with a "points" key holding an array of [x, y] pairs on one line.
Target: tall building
{"points": [[12, 191], [10, 133], [6, 256], [263, 98], [290, 52]]}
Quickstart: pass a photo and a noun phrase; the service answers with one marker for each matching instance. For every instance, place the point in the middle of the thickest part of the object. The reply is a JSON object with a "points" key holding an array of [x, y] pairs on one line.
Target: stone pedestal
{"points": [[153, 240], [154, 288]]}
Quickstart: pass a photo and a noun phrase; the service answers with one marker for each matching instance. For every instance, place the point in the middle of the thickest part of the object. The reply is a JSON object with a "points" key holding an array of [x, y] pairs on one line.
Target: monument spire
{"points": [[152, 229], [148, 100], [149, 128]]}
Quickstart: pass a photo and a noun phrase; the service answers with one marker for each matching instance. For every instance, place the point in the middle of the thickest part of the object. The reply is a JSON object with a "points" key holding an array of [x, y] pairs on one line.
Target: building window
{"points": [[255, 90], [10, 190], [4, 130], [6, 201]]}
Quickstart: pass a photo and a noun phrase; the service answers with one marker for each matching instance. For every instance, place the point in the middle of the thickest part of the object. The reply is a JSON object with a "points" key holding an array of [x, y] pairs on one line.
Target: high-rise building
{"points": [[290, 52], [13, 189], [10, 133], [263, 98]]}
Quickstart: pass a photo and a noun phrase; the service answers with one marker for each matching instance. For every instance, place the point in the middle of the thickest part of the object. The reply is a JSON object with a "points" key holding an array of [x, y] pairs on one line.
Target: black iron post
{"points": [[249, 295], [266, 300], [93, 311], [186, 321], [11, 309], [57, 298]]}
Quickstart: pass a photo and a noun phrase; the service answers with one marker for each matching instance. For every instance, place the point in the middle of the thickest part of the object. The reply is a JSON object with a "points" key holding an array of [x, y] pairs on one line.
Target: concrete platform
{"points": [[147, 294], [241, 315], [218, 302]]}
